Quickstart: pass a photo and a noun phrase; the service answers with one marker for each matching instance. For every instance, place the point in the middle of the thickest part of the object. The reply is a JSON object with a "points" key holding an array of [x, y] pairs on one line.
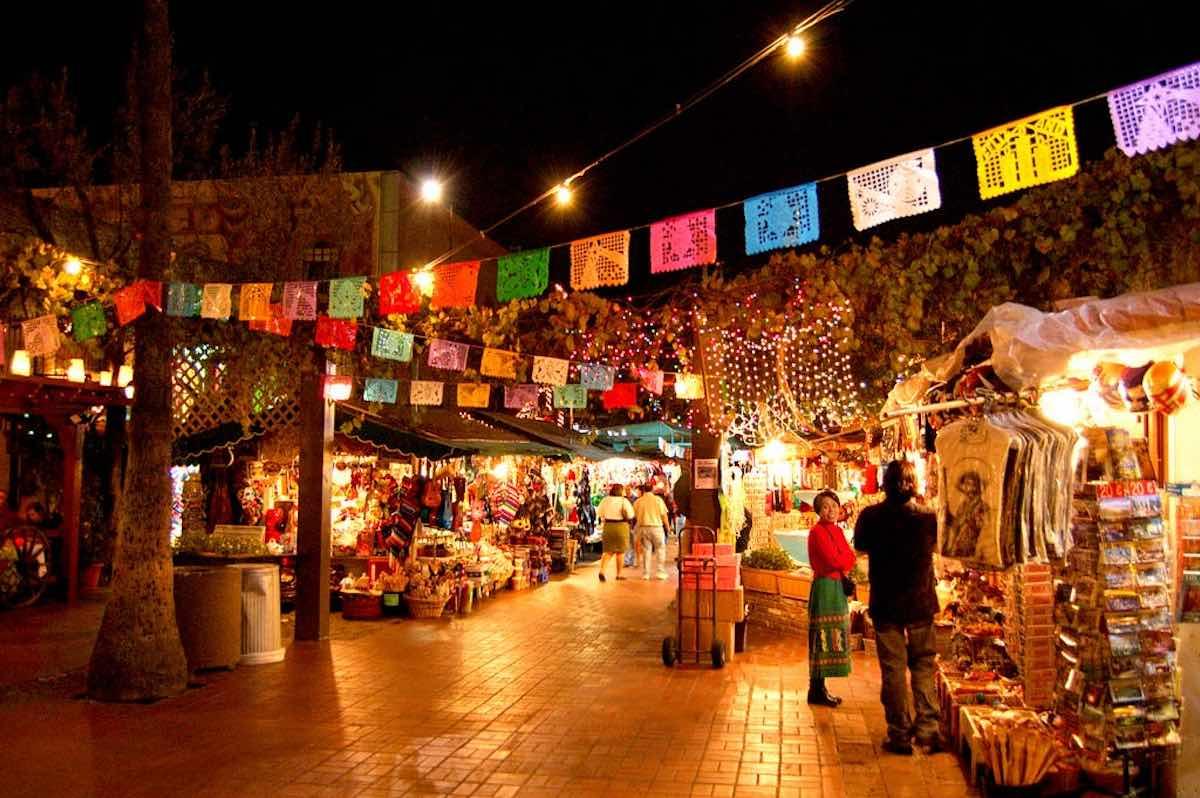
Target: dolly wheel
{"points": [[668, 651], [718, 654]]}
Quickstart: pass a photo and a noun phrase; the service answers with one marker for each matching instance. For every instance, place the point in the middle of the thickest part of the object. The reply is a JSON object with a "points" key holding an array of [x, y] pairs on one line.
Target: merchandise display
{"points": [[1117, 681]]}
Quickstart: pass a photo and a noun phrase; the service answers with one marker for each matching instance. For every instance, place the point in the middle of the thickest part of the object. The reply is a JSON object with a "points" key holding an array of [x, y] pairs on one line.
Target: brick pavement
{"points": [[555, 691]]}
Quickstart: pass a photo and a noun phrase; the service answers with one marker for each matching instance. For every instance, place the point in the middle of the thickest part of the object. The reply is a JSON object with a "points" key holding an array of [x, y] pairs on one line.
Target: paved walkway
{"points": [[554, 691]]}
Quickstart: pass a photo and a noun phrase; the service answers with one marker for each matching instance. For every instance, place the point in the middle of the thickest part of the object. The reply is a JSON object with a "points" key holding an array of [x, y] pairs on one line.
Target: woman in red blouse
{"points": [[831, 559]]}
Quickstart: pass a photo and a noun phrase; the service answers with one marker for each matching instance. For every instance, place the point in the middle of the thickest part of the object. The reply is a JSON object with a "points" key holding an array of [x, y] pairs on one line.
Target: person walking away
{"points": [[652, 518], [899, 537], [828, 610], [615, 513]]}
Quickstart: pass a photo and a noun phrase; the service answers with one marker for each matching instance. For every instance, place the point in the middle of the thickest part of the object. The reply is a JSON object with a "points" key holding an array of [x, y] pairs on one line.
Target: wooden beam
{"points": [[313, 536], [70, 437]]}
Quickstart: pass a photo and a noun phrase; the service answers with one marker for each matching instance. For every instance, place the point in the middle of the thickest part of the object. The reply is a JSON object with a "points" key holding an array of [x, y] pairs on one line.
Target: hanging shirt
{"points": [[975, 457]]}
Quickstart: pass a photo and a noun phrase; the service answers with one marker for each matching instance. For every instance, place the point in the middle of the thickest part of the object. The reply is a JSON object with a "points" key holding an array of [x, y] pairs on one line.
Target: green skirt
{"points": [[828, 629], [615, 537]]}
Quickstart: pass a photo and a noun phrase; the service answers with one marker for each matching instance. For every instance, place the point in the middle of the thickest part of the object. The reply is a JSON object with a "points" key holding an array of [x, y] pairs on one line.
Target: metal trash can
{"points": [[262, 639], [208, 603]]}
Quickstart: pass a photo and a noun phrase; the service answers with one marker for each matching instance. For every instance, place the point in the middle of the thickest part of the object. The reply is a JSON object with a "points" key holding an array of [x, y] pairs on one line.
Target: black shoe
{"points": [[823, 699], [602, 579], [894, 747], [933, 744]]}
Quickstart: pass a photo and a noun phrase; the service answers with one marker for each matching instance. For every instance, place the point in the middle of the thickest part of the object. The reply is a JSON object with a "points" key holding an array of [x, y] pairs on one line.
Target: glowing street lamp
{"points": [[431, 190], [794, 47]]}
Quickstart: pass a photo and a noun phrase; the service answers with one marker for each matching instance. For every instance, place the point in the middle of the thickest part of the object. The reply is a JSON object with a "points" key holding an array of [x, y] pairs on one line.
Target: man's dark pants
{"points": [[899, 647]]}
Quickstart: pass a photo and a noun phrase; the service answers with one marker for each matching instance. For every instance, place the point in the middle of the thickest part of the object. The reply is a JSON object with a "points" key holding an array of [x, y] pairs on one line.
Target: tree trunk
{"points": [[138, 654]]}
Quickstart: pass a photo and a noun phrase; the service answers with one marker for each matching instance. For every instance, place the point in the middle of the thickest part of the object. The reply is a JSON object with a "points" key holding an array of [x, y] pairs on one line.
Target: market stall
{"points": [[425, 504], [1053, 448]]}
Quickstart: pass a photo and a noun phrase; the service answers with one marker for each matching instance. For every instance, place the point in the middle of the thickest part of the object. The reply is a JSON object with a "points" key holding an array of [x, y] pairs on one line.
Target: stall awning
{"points": [[358, 424], [1028, 348], [646, 439], [456, 433], [546, 433]]}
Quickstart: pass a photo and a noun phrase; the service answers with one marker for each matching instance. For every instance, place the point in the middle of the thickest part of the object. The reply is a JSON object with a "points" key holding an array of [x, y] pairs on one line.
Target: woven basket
{"points": [[426, 607]]}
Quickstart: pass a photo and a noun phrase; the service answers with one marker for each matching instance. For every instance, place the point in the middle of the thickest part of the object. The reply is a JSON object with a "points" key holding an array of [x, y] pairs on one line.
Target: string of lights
{"points": [[793, 45]]}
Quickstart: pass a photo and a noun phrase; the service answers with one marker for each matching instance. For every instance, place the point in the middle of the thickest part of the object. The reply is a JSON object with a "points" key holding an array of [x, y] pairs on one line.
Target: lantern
{"points": [[1166, 386]]}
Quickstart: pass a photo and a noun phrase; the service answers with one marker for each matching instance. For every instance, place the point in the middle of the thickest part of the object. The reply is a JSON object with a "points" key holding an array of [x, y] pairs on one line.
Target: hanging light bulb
{"points": [[795, 46], [20, 364], [431, 190], [75, 371], [124, 376], [424, 282], [72, 266], [563, 194], [338, 388]]}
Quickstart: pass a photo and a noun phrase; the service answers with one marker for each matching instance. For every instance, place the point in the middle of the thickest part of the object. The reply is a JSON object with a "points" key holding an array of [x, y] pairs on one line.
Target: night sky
{"points": [[505, 99]]}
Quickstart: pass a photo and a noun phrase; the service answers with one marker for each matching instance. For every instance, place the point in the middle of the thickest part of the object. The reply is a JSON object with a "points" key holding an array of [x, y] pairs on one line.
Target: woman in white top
{"points": [[615, 512]]}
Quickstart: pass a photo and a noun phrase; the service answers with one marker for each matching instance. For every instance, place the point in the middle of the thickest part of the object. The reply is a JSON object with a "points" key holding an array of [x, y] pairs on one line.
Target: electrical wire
{"points": [[820, 15]]}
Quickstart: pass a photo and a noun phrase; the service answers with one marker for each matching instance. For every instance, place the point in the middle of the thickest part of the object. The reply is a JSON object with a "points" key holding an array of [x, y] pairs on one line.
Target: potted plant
{"points": [[761, 568], [863, 593]]}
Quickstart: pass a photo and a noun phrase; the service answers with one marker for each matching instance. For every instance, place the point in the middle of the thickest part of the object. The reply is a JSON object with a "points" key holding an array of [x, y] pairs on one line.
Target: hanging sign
{"points": [[454, 285], [346, 297], [254, 301], [447, 355], [1150, 114], [551, 370], [779, 219], [425, 392], [474, 394]]}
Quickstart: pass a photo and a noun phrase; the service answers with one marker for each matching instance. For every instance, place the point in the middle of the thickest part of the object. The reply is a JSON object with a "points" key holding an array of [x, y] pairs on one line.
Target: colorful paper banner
{"points": [[522, 275], [276, 324], [153, 291], [391, 344], [300, 300], [336, 333], [217, 301], [551, 370], [682, 242], [499, 363], [519, 397], [689, 386], [254, 301], [778, 219], [380, 390], [454, 285], [597, 376], [899, 187], [623, 394], [652, 381], [130, 303], [425, 392], [87, 322], [1150, 114], [447, 355], [398, 293], [600, 260], [183, 300], [346, 297], [474, 394], [1031, 151], [40, 336], [570, 397]]}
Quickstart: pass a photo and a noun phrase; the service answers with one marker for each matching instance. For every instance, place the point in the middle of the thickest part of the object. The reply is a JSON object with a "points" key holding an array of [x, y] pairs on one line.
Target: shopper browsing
{"points": [[652, 519], [900, 537], [615, 513], [828, 611]]}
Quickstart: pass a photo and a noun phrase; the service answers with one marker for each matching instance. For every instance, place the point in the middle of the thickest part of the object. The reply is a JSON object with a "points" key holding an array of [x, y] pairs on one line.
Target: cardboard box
{"points": [[731, 604], [688, 639], [727, 579], [712, 549]]}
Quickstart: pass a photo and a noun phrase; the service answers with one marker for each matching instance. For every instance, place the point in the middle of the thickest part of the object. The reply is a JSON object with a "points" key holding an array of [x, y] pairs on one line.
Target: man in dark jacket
{"points": [[899, 538]]}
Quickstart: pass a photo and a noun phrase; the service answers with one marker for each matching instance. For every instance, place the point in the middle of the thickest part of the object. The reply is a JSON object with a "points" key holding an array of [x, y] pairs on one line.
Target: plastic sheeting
{"points": [[1031, 348]]}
